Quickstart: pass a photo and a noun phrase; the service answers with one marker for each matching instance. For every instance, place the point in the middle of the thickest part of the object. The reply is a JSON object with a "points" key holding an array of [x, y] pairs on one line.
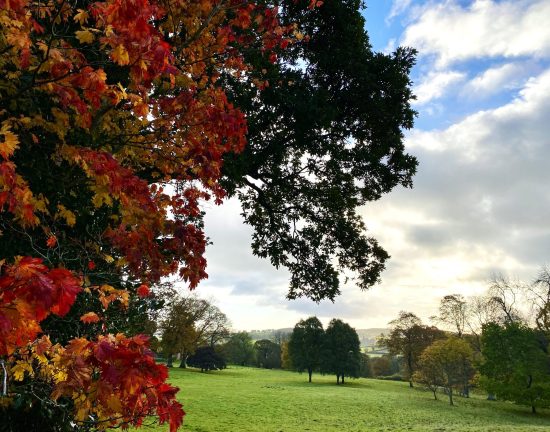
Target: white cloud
{"points": [[397, 8], [434, 85], [493, 80], [486, 28]]}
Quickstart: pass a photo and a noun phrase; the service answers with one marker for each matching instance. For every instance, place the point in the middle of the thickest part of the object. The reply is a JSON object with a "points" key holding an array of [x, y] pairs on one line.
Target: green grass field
{"points": [[248, 399]]}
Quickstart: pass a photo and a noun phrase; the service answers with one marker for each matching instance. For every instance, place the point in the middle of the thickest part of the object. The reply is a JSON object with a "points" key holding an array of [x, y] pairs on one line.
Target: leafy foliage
{"points": [[341, 351], [516, 365], [206, 358], [113, 127], [408, 338], [323, 138], [305, 345]]}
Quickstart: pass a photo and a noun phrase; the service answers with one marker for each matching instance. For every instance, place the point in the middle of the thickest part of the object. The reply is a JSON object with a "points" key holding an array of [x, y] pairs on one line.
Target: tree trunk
{"points": [[337, 379], [342, 378], [309, 371], [410, 384], [183, 361], [435, 394], [451, 396], [169, 361], [533, 409]]}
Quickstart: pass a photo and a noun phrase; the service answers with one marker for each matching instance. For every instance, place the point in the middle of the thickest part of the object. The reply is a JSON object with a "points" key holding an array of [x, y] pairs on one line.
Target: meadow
{"points": [[249, 399]]}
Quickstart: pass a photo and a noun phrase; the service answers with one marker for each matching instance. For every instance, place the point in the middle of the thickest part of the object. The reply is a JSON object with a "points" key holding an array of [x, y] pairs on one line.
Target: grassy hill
{"points": [[248, 399]]}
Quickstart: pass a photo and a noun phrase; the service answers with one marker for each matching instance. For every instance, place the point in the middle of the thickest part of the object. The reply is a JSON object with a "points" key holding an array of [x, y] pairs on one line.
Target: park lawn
{"points": [[249, 399]]}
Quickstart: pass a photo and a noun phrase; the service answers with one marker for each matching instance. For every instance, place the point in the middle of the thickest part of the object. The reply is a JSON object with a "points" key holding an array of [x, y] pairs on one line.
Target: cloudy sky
{"points": [[481, 200]]}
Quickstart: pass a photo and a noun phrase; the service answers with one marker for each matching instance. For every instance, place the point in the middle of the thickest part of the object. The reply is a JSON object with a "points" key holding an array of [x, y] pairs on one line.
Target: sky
{"points": [[480, 204]]}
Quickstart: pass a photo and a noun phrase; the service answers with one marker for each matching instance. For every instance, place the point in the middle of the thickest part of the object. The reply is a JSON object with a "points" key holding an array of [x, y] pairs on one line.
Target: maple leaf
{"points": [[81, 17], [120, 55], [89, 318], [10, 143], [84, 36]]}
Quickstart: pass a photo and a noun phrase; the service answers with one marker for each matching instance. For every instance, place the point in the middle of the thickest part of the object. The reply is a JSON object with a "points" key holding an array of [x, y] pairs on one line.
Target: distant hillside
{"points": [[366, 336], [369, 336]]}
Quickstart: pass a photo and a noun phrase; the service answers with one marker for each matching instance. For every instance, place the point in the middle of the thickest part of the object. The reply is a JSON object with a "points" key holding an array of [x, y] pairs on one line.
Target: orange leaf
{"points": [[89, 318]]}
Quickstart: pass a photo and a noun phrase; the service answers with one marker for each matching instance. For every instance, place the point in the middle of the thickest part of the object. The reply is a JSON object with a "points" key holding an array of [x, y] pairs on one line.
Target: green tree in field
{"points": [[445, 363], [268, 354], [206, 358], [408, 338], [239, 349], [305, 345], [341, 351], [286, 361], [516, 365]]}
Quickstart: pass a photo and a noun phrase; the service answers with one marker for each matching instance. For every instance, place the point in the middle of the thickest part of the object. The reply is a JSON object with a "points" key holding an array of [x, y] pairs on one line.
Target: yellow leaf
{"points": [[19, 370], [7, 148], [120, 55], [82, 16], [66, 214], [84, 36], [109, 258]]}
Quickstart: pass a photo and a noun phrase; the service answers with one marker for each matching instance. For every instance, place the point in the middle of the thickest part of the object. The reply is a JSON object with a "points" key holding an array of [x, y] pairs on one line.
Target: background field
{"points": [[249, 399]]}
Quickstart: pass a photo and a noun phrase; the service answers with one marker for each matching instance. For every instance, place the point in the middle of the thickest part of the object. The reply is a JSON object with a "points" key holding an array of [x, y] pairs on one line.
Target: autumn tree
{"points": [[445, 363], [516, 364], [113, 128], [340, 354], [305, 345], [408, 337], [191, 322]]}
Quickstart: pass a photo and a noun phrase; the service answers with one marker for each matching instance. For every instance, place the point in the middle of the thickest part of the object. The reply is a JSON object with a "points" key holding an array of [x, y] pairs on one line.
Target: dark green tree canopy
{"points": [[207, 358], [516, 365], [305, 345], [341, 351], [268, 354], [325, 137]]}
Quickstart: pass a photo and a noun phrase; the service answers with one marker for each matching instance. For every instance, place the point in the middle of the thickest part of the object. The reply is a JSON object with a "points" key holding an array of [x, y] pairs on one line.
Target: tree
{"points": [[453, 312], [305, 344], [341, 350], [429, 372], [207, 358], [539, 296], [408, 338], [445, 363], [384, 366], [324, 138], [117, 100], [286, 361], [137, 105], [515, 365], [268, 354], [239, 349], [191, 322]]}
